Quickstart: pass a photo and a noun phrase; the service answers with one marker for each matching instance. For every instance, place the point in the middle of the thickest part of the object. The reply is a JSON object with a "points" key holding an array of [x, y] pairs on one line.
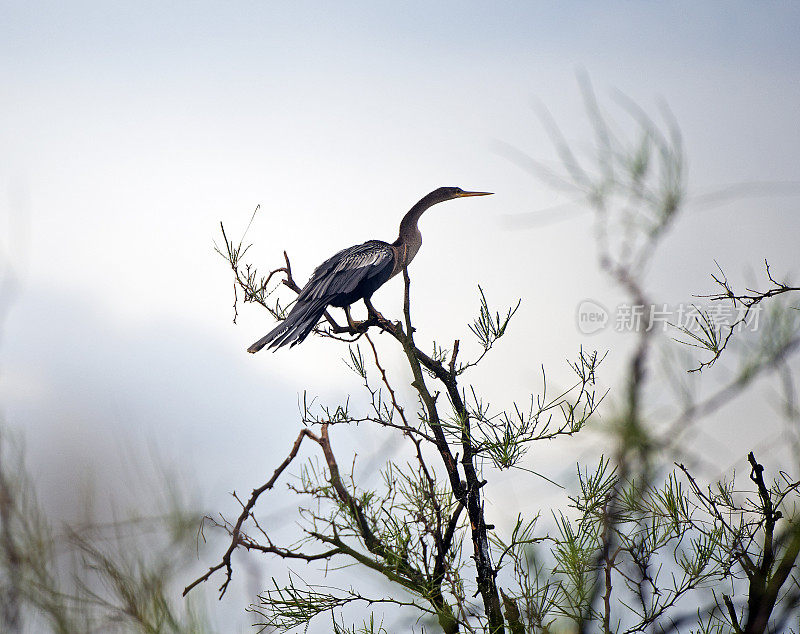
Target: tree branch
{"points": [[248, 507]]}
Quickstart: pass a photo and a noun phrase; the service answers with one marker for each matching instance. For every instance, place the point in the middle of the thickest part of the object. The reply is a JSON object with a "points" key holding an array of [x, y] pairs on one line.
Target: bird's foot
{"points": [[379, 320], [374, 314], [378, 317], [358, 327]]}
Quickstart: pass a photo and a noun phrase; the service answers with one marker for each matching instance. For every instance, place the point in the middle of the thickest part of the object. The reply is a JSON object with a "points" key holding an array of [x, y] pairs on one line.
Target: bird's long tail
{"points": [[295, 328]]}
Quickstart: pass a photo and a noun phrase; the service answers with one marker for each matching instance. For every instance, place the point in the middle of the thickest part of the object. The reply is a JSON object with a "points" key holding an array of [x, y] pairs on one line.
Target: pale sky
{"points": [[131, 129]]}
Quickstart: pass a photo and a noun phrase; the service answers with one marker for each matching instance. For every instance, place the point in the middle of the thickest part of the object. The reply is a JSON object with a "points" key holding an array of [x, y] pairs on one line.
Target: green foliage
{"points": [[488, 328]]}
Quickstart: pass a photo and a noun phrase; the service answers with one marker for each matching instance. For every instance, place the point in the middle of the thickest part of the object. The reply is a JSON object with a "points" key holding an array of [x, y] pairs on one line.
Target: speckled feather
{"points": [[343, 273]]}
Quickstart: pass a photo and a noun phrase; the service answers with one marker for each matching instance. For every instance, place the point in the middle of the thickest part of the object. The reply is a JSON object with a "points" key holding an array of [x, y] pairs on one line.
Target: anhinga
{"points": [[355, 273]]}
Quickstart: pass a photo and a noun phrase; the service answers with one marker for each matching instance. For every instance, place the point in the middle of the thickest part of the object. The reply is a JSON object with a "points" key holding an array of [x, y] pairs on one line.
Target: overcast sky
{"points": [[131, 129]]}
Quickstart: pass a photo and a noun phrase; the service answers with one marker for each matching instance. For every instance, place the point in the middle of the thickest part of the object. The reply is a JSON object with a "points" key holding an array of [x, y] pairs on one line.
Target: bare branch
{"points": [[248, 507]]}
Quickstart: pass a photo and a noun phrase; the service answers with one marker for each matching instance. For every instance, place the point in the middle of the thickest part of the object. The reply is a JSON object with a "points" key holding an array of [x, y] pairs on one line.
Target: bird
{"points": [[355, 273]]}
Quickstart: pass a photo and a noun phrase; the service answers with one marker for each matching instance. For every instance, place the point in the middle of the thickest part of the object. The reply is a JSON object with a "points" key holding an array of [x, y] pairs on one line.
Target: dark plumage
{"points": [[354, 273]]}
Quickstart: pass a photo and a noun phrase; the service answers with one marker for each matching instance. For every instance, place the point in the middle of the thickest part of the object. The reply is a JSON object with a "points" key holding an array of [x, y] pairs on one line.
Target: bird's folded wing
{"points": [[347, 269]]}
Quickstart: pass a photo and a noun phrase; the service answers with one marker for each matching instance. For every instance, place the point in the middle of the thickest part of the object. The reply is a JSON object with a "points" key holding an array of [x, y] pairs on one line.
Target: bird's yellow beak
{"points": [[462, 194]]}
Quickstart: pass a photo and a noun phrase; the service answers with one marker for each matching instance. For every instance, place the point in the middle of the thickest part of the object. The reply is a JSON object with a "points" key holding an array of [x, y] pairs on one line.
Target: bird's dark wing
{"points": [[365, 266], [348, 276]]}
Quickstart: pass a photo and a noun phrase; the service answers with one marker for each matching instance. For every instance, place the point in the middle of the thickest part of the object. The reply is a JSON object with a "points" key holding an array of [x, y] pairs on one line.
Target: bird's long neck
{"points": [[409, 239]]}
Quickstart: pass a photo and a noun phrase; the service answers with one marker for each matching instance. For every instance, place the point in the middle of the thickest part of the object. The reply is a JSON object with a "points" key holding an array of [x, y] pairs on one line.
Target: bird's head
{"points": [[448, 193], [436, 196], [408, 225]]}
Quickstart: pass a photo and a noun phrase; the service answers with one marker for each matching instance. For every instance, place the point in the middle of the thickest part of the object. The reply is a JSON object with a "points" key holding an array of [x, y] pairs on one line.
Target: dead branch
{"points": [[248, 507]]}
